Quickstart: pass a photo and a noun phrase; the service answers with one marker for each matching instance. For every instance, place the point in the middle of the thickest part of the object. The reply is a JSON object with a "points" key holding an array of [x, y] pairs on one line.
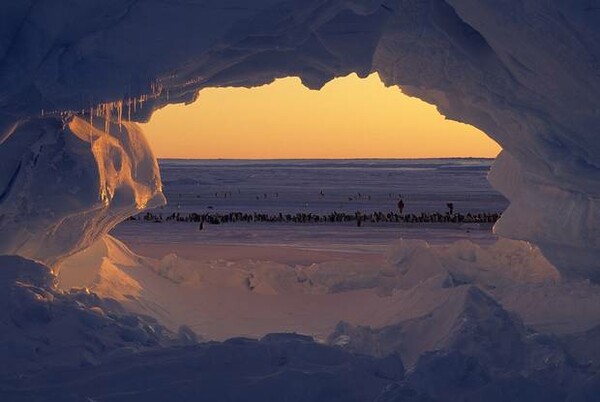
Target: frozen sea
{"points": [[317, 186]]}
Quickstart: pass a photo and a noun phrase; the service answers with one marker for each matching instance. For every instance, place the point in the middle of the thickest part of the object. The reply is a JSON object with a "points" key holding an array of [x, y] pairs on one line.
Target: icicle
{"points": [[156, 88], [107, 114], [91, 125], [120, 113]]}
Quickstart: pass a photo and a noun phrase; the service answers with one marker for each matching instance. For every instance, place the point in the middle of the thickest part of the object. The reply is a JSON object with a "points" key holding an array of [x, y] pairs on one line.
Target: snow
{"points": [[43, 328], [221, 298], [529, 80], [493, 76], [506, 321], [420, 335], [277, 367], [66, 183], [324, 186]]}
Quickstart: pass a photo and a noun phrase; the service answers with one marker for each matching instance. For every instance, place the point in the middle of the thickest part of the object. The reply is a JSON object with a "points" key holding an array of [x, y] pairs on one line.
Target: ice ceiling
{"points": [[525, 72]]}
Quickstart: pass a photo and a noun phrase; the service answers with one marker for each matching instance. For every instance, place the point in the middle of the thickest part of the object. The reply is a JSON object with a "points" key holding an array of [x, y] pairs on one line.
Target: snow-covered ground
{"points": [[386, 312], [324, 186], [221, 297], [468, 323], [443, 322]]}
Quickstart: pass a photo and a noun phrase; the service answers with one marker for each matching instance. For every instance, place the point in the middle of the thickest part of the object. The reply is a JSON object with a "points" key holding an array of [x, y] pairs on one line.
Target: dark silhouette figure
{"points": [[450, 206], [358, 219], [401, 206]]}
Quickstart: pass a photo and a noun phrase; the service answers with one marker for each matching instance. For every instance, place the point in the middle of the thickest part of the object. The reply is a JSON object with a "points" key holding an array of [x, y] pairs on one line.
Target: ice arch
{"points": [[525, 72]]}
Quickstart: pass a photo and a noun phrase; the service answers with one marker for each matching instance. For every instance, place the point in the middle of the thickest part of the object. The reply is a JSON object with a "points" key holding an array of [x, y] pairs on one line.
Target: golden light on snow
{"points": [[348, 118]]}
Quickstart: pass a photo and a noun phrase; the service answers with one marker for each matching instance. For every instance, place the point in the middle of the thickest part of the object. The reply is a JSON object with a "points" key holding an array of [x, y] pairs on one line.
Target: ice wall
{"points": [[526, 72], [65, 183]]}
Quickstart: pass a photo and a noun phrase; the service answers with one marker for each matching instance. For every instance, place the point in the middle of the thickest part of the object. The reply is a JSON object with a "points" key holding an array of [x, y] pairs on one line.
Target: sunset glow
{"points": [[348, 118]]}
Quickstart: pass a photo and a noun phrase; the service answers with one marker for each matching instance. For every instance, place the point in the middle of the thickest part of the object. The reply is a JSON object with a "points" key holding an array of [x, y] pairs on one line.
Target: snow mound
{"points": [[540, 371], [500, 264], [42, 328], [453, 376], [275, 368], [458, 341], [468, 320], [220, 299]]}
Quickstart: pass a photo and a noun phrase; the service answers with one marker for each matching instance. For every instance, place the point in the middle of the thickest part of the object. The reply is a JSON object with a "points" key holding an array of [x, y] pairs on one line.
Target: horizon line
{"points": [[326, 159]]}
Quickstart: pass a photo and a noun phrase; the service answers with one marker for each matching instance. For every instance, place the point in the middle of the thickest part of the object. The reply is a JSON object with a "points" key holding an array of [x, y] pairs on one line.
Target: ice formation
{"points": [[76, 76], [44, 328], [526, 73], [66, 182], [442, 334], [219, 299]]}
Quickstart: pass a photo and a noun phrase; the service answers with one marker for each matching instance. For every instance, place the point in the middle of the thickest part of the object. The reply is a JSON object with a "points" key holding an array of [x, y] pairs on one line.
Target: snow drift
{"points": [[219, 299], [441, 335], [42, 328]]}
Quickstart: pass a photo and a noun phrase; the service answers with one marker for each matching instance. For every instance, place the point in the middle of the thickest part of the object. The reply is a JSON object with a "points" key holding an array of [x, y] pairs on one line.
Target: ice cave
{"points": [[76, 77]]}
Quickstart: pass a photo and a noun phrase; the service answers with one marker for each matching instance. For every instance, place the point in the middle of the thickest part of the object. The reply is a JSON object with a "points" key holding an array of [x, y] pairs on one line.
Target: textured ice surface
{"points": [[441, 339], [526, 73], [64, 183], [279, 367], [223, 298], [324, 186], [42, 328]]}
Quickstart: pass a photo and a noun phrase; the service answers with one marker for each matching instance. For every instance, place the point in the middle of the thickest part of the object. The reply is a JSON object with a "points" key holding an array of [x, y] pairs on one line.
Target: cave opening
{"points": [[351, 153], [456, 317], [262, 204]]}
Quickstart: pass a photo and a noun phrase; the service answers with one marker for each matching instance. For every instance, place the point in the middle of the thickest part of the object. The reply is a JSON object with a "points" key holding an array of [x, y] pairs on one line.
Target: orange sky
{"points": [[349, 118]]}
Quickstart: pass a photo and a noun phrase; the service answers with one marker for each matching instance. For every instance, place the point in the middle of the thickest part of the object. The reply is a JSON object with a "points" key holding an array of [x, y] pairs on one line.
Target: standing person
{"points": [[450, 206], [401, 206]]}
